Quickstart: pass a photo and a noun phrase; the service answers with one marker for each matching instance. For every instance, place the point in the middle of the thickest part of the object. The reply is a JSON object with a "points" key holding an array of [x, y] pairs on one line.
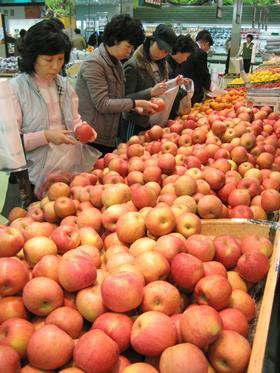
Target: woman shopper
{"points": [[145, 75], [100, 83], [246, 50], [45, 103]]}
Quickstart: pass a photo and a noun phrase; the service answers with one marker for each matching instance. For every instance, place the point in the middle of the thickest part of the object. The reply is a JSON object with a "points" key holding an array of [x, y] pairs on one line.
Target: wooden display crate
{"points": [[241, 228]]}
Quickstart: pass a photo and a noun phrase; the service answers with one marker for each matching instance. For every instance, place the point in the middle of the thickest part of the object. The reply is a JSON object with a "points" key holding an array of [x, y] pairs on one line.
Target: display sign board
{"points": [[156, 3]]}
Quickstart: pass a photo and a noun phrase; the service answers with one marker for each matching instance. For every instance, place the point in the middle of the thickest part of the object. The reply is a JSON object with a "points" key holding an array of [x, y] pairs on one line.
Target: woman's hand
{"points": [[58, 137], [180, 80], [158, 89], [145, 107]]}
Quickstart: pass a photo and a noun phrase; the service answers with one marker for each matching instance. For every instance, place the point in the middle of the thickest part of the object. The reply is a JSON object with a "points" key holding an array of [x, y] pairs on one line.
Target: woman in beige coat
{"points": [[101, 83]]}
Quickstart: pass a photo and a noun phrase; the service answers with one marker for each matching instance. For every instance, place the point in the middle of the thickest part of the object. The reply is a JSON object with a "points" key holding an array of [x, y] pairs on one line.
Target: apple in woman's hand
{"points": [[85, 133], [159, 102]]}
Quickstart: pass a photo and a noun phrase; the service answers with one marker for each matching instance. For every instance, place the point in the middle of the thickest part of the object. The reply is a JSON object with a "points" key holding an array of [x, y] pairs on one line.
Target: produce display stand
{"points": [[240, 228]]}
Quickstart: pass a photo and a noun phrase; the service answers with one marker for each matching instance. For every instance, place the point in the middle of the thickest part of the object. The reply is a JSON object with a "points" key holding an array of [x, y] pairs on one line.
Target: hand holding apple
{"points": [[85, 133]]}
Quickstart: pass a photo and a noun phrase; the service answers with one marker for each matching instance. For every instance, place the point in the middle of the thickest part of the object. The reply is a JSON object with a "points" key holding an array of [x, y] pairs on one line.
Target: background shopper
{"points": [[78, 41], [196, 67], [100, 83], [246, 50]]}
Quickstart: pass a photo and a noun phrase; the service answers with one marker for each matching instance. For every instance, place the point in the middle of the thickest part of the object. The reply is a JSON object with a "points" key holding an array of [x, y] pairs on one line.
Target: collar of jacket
{"points": [[143, 63], [105, 54], [61, 84]]}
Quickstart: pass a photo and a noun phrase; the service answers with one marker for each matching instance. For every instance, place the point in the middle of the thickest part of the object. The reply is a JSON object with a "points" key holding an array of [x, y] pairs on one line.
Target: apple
{"points": [[58, 189], [253, 266], [187, 224], [11, 241], [150, 173], [122, 292], [241, 211], [96, 351], [161, 296], [15, 213], [201, 325], [233, 319], [185, 185], [209, 207], [169, 246], [178, 357], [200, 246], [37, 247], [90, 217], [42, 295], [152, 332], [64, 206], [186, 270], [243, 302], [227, 250], [130, 227], [89, 303], [117, 326], [166, 161], [16, 333], [49, 348], [270, 201], [142, 196], [152, 265], [13, 276], [160, 220], [119, 259], [76, 271], [89, 236], [239, 197], [12, 307], [115, 194], [224, 357], [47, 267], [139, 368], [67, 319], [214, 177], [214, 268], [258, 243], [9, 360], [236, 281], [251, 184], [213, 290]]}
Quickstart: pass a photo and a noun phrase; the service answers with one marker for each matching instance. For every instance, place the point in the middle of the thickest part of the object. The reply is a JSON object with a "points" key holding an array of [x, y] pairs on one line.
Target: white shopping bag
{"points": [[169, 96], [11, 150]]}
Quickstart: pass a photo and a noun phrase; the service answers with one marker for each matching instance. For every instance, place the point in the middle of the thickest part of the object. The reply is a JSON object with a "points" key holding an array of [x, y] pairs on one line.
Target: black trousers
{"points": [[247, 65]]}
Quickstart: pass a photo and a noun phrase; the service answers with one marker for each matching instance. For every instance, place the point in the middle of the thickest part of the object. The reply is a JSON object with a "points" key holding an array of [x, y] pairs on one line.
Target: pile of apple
{"points": [[110, 288], [110, 272]]}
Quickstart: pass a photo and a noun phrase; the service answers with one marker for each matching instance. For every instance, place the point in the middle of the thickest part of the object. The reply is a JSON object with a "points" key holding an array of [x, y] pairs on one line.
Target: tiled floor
{"points": [[3, 189]]}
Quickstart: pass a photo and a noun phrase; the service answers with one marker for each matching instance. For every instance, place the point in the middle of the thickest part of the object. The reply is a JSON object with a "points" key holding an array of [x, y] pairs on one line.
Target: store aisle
{"points": [[3, 189]]}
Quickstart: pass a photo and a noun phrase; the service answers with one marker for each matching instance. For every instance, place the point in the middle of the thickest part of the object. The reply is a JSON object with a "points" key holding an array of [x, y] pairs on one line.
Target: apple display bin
{"points": [[263, 293]]}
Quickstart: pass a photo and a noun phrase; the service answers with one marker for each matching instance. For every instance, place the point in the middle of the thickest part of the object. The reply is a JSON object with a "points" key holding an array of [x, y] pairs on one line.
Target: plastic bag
{"points": [[169, 96], [185, 105], [63, 161], [11, 150]]}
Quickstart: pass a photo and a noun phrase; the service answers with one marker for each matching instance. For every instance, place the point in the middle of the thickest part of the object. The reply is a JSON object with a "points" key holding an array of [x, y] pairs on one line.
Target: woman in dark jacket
{"points": [[145, 75]]}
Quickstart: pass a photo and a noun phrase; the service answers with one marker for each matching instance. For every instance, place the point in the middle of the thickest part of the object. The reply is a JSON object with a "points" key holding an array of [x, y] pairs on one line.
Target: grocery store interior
{"points": [[160, 252]]}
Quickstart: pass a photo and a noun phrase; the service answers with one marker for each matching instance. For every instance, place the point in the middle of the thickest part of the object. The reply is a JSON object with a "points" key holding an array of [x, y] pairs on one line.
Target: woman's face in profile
{"points": [[48, 66], [123, 50], [157, 53]]}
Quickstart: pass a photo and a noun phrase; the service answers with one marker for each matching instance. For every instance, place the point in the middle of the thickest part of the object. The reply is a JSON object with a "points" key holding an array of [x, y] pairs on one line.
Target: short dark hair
{"points": [[183, 44], [43, 38], [57, 23], [77, 31], [22, 32], [250, 36], [204, 35], [123, 27]]}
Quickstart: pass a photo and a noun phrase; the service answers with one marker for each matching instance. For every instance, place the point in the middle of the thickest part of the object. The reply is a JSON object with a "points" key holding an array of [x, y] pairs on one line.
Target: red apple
{"points": [[258, 243], [117, 326], [11, 241], [233, 319], [58, 189], [201, 325], [187, 224], [152, 265], [9, 360], [161, 296], [178, 357], [228, 250], [67, 319], [243, 302], [214, 268], [42, 295], [186, 270], [11, 307], [210, 207], [214, 290], [64, 206], [13, 276], [224, 357], [89, 303], [160, 220], [253, 266], [96, 351], [36, 248], [47, 267], [49, 348], [152, 332], [201, 247], [130, 227]]}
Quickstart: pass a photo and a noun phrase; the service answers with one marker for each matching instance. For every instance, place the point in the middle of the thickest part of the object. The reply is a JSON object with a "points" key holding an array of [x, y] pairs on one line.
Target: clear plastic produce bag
{"points": [[169, 96], [64, 161]]}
